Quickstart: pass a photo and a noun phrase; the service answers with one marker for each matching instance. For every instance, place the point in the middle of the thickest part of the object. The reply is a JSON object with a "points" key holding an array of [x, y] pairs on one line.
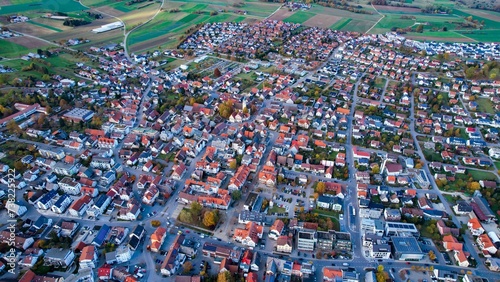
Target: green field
{"points": [[497, 165], [485, 105], [191, 7], [299, 17], [10, 49], [45, 26], [358, 26], [340, 24], [488, 35], [163, 24], [48, 5], [482, 175]]}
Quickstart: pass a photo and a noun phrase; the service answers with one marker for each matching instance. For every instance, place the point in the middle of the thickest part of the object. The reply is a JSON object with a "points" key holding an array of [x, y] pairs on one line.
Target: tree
{"points": [[217, 72], [236, 195], [187, 266], [155, 223], [321, 188], [225, 277], [432, 256], [380, 268], [226, 109], [210, 218], [376, 169], [13, 128], [233, 164], [196, 208], [475, 185], [186, 216], [420, 28]]}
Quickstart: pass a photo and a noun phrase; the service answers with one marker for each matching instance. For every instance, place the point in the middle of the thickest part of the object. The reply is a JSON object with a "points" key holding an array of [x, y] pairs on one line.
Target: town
{"points": [[276, 152]]}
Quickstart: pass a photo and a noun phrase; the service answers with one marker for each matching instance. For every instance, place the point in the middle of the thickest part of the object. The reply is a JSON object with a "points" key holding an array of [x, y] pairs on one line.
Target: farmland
{"points": [[299, 17], [172, 23], [42, 6], [10, 49]]}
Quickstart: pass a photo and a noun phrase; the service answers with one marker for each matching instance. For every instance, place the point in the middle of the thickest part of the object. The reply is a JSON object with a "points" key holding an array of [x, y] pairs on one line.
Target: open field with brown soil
{"points": [[484, 14], [281, 14], [28, 42], [324, 21], [154, 43], [32, 29]]}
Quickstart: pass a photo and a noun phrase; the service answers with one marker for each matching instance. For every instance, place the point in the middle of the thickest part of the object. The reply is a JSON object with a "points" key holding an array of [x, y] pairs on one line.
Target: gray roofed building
{"points": [[251, 216], [406, 248]]}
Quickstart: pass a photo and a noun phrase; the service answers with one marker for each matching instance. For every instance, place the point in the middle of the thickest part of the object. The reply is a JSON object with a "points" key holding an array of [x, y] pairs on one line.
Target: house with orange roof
{"points": [[475, 226], [250, 235], [332, 274], [240, 177], [320, 143], [276, 229], [461, 258], [150, 195], [107, 143], [88, 257], [267, 176], [485, 244], [451, 243], [157, 239]]}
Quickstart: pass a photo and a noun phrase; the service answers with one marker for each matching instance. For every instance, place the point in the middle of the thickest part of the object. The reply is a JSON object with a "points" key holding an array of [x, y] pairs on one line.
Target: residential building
{"points": [[157, 239], [250, 235], [276, 229], [88, 257], [58, 257], [306, 239], [284, 244], [70, 186]]}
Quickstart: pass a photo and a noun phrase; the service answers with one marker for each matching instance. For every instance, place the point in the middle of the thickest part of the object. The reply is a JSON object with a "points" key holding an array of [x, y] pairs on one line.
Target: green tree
{"points": [[186, 216], [196, 208], [236, 195]]}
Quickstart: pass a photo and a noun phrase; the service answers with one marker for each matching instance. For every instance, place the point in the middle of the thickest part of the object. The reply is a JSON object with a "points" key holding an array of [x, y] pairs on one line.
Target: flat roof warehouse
{"points": [[108, 27]]}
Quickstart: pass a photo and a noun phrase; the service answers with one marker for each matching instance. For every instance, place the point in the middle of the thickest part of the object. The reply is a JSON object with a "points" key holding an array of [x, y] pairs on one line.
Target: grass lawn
{"points": [[497, 165], [451, 200], [327, 213], [485, 105], [10, 49], [432, 156], [299, 17], [276, 209], [48, 5], [381, 82], [340, 24], [482, 175]]}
